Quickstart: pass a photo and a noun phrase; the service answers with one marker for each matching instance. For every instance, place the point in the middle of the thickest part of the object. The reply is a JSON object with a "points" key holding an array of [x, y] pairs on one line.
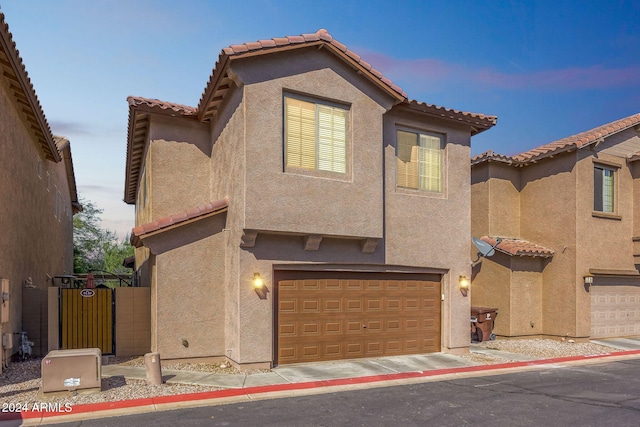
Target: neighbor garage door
{"points": [[329, 316], [615, 311]]}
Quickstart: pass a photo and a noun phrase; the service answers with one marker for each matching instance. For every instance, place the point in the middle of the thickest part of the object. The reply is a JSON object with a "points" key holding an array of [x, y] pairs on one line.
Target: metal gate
{"points": [[87, 319]]}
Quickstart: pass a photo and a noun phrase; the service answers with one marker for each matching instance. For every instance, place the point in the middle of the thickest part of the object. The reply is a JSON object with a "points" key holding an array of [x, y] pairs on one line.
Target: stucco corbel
{"points": [[248, 238], [234, 77], [312, 242], [368, 246]]}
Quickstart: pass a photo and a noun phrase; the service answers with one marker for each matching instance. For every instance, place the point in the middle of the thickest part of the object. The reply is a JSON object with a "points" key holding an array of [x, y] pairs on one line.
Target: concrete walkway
{"points": [[620, 343], [322, 371]]}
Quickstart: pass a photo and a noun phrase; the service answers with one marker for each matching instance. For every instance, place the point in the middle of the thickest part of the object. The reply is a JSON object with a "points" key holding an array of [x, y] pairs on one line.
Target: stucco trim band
{"points": [[311, 242]]}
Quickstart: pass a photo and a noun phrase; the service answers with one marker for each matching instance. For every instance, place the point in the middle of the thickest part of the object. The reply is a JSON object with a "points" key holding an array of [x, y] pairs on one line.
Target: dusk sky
{"points": [[547, 69]]}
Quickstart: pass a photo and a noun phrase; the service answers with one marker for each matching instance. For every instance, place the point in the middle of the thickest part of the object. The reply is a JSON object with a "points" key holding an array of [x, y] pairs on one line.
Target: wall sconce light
{"points": [[464, 284], [259, 286], [588, 281]]}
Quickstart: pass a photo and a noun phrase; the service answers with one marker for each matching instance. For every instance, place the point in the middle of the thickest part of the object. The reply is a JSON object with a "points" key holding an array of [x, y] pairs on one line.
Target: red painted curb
{"points": [[123, 404]]}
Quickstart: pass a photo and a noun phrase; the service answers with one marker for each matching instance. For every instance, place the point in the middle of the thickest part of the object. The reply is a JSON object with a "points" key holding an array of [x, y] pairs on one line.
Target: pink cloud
{"points": [[428, 71]]}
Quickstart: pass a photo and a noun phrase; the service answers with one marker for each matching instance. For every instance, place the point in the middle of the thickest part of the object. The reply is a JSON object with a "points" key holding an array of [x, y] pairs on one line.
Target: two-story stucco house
{"points": [[569, 216], [38, 198], [305, 210]]}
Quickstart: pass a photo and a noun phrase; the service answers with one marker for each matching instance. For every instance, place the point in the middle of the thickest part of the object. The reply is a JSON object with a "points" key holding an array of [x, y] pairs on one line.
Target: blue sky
{"points": [[547, 69]]}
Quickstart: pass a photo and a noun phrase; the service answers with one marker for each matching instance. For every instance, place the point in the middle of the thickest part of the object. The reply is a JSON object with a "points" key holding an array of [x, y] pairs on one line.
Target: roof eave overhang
{"points": [[24, 95], [526, 254], [71, 177], [136, 143], [477, 123], [138, 241]]}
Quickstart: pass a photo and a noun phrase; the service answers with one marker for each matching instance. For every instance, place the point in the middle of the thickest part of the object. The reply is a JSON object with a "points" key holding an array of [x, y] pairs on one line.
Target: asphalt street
{"points": [[605, 394]]}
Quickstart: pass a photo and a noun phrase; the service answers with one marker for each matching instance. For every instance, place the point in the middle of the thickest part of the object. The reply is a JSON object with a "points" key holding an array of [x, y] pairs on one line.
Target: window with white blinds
{"points": [[315, 136], [419, 161]]}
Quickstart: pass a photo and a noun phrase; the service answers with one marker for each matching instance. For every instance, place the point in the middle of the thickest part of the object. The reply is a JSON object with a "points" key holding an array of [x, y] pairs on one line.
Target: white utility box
{"points": [[72, 370], [7, 341]]}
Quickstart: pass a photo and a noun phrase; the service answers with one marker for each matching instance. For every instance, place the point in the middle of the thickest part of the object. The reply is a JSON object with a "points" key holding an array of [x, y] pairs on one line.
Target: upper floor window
{"points": [[603, 189], [419, 158], [315, 136]]}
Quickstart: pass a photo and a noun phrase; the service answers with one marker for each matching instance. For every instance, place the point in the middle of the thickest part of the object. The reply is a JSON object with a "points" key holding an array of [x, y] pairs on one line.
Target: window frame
{"points": [[316, 171], [599, 173], [442, 136]]}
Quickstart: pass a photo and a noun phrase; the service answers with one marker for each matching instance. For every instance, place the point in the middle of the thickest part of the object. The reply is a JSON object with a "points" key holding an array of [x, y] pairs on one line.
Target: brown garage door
{"points": [[329, 316]]}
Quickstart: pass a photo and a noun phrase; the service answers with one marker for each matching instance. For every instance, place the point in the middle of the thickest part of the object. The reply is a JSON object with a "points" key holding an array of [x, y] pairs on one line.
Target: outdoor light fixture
{"points": [[258, 283], [259, 286], [464, 284], [588, 281]]}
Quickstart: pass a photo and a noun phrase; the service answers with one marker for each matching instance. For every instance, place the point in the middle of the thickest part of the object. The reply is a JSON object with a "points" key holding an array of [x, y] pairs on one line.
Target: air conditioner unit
{"points": [[72, 370], [7, 341]]}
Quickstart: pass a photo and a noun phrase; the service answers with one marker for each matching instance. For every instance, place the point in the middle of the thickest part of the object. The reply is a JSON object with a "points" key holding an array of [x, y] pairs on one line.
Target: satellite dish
{"points": [[484, 248]]}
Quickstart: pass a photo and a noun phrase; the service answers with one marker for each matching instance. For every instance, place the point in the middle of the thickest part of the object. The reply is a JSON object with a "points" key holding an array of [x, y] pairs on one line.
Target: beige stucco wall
{"points": [[341, 205], [188, 288], [548, 217], [491, 287], [133, 321], [34, 244], [602, 242], [525, 294], [432, 230], [495, 200]]}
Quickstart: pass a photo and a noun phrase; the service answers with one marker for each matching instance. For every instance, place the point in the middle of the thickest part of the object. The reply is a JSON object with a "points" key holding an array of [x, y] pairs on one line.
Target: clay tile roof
{"points": [[634, 157], [479, 122], [185, 110], [519, 247], [569, 143], [492, 157], [321, 36], [142, 230]]}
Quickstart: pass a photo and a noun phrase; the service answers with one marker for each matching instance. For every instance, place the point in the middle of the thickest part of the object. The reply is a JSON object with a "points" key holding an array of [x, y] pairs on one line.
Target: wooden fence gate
{"points": [[87, 319]]}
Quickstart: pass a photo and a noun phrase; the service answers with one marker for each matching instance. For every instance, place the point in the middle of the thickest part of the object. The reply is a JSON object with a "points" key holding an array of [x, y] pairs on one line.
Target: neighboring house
{"points": [[569, 213], [303, 168], [38, 198]]}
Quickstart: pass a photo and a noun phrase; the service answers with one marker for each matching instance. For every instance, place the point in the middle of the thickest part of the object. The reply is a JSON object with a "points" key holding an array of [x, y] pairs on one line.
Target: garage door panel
{"points": [[310, 306], [393, 304], [373, 304], [411, 304], [332, 305], [287, 329], [354, 304], [288, 305], [353, 327], [333, 328], [353, 285], [329, 319]]}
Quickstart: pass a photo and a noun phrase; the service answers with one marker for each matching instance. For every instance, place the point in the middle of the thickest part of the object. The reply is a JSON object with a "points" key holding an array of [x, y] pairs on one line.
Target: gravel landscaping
{"points": [[20, 383]]}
